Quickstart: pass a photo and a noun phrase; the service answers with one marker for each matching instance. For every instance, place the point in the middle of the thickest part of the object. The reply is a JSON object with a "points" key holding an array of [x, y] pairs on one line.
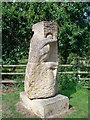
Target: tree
{"points": [[18, 18]]}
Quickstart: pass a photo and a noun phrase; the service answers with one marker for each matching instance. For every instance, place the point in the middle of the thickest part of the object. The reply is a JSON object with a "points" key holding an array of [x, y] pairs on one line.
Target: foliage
{"points": [[66, 81], [18, 18], [15, 32]]}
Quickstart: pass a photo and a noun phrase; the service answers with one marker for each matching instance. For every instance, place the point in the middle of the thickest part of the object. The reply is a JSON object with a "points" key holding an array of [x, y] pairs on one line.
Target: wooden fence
{"points": [[79, 73]]}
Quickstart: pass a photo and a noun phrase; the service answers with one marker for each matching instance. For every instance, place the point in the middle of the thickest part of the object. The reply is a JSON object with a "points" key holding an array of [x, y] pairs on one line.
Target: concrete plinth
{"points": [[46, 108]]}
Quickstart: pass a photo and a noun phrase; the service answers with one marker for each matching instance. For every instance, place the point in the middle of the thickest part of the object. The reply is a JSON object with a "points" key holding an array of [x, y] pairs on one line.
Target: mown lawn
{"points": [[78, 101]]}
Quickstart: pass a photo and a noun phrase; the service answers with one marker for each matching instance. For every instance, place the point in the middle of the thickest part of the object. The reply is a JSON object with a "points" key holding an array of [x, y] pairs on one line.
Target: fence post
{"points": [[79, 74]]}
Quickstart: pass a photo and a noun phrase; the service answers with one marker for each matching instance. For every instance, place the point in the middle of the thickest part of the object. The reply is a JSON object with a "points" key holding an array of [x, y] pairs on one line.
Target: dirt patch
{"points": [[27, 113], [8, 88], [72, 109]]}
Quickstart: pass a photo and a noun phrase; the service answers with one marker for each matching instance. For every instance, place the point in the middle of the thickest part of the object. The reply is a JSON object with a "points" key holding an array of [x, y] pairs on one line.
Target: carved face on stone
{"points": [[40, 79]]}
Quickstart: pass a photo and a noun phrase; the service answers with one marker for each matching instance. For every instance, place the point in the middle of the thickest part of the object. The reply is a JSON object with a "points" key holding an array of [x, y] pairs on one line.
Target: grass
{"points": [[78, 100], [9, 101]]}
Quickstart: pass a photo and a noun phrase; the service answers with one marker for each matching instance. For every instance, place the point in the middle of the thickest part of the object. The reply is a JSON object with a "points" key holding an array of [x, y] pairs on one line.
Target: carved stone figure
{"points": [[41, 70], [40, 94]]}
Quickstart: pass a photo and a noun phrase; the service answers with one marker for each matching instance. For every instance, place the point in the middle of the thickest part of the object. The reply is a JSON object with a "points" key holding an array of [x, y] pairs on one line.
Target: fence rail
{"points": [[62, 65], [13, 65], [12, 73], [80, 72]]}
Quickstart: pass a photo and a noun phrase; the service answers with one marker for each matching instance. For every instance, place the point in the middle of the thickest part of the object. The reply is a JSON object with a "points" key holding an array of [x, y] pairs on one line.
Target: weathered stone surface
{"points": [[46, 108], [40, 78]]}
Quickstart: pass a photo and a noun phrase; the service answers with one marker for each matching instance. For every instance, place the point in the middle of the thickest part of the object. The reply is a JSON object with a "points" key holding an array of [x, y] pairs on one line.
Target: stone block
{"points": [[46, 108], [41, 70]]}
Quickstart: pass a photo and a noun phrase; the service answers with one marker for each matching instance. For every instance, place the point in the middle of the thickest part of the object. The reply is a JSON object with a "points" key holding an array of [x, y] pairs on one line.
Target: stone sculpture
{"points": [[40, 79], [40, 93]]}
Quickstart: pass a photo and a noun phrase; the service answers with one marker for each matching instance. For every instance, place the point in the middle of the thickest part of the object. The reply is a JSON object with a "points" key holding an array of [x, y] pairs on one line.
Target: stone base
{"points": [[46, 108]]}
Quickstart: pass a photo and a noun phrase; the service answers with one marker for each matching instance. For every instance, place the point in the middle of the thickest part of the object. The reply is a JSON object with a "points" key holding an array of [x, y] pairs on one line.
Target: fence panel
{"points": [[78, 72]]}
